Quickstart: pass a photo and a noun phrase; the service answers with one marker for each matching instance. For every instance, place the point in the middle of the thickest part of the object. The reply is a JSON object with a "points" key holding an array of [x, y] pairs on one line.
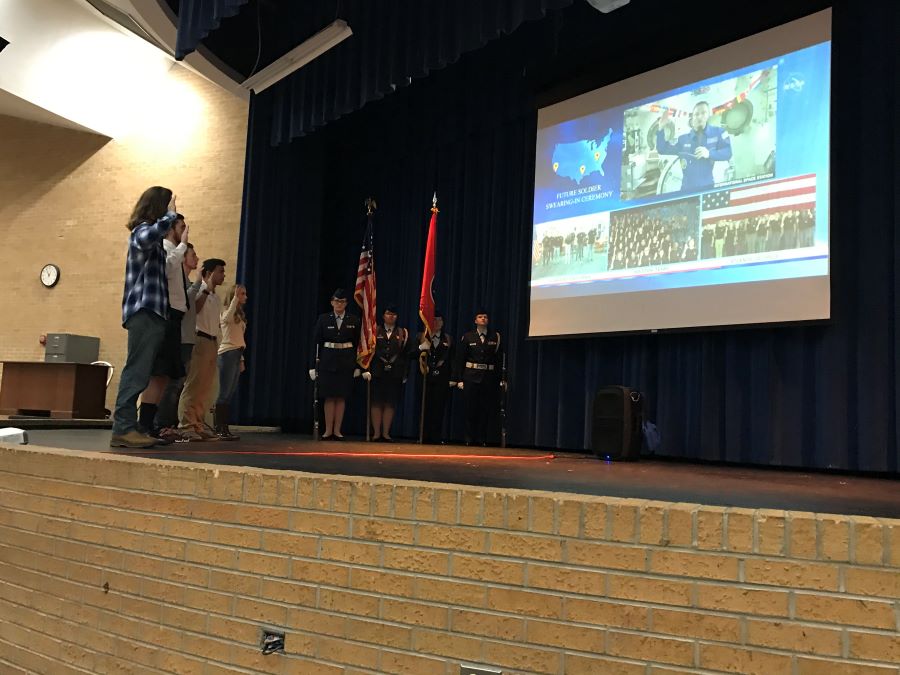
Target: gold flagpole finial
{"points": [[434, 207]]}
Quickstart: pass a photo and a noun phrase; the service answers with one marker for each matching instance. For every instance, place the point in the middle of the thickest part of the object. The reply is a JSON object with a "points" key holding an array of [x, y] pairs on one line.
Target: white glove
{"points": [[367, 376], [460, 385], [312, 374], [453, 385], [424, 347], [356, 372]]}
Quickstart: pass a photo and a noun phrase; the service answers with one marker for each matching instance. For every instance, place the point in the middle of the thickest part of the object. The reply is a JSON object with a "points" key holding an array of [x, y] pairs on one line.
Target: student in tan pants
{"points": [[197, 394]]}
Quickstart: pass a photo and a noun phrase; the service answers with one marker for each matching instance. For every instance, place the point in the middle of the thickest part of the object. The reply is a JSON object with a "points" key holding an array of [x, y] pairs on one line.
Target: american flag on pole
{"points": [[775, 196], [364, 294]]}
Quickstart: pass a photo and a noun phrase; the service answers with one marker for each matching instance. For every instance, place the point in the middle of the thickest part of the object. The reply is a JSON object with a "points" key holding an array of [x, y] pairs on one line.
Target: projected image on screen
{"points": [[668, 201], [703, 138], [777, 216], [657, 235], [571, 248]]}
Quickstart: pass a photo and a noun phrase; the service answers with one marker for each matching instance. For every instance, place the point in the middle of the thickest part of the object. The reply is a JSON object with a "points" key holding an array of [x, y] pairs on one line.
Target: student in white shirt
{"points": [[195, 397], [167, 411], [233, 323]]}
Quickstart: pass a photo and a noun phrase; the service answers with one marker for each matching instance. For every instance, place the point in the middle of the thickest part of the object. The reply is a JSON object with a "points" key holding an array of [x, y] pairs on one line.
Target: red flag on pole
{"points": [[364, 294], [426, 297]]}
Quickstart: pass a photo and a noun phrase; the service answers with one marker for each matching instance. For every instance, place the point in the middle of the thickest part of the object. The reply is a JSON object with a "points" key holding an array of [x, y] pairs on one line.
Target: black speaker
{"points": [[618, 417]]}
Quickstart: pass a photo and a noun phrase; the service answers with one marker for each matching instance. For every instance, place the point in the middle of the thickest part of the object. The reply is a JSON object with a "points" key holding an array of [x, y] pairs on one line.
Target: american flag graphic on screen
{"points": [[775, 196]]}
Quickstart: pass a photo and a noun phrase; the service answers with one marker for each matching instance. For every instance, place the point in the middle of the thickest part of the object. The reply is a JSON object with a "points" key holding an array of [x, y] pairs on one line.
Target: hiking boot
{"points": [[131, 439]]}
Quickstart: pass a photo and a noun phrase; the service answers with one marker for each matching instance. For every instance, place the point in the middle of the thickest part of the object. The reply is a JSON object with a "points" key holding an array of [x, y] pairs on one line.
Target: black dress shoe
{"points": [[387, 439], [337, 438], [326, 438], [375, 439]]}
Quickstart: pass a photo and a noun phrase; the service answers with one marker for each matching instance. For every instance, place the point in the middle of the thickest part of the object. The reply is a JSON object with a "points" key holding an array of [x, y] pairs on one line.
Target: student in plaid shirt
{"points": [[145, 307]]}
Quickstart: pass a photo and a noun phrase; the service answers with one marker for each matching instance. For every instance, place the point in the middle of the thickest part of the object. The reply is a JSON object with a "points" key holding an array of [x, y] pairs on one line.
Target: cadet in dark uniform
{"points": [[437, 353], [387, 371], [336, 334], [477, 373], [697, 150]]}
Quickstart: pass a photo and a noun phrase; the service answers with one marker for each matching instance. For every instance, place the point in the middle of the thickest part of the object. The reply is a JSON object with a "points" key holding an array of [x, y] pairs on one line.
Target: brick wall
{"points": [[66, 195], [115, 564]]}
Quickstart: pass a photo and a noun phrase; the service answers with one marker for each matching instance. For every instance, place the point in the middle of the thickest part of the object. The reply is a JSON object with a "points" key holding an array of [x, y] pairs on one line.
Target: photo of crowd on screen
{"points": [[702, 138], [779, 230], [570, 246], [661, 234]]}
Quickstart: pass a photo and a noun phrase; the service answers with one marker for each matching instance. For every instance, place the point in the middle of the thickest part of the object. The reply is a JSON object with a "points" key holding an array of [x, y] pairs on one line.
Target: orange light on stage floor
{"points": [[380, 455]]}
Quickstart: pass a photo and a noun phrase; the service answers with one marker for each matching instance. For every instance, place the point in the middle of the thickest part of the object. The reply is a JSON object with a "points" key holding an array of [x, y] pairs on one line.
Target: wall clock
{"points": [[50, 275]]}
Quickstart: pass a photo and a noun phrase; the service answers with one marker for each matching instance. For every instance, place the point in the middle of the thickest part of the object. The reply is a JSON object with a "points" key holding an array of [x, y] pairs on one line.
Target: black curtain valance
{"points": [[198, 18]]}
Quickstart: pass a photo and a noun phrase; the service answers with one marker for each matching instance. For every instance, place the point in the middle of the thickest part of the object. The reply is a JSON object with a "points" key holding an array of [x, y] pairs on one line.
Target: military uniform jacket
{"points": [[392, 353], [439, 358], [487, 354], [332, 360]]}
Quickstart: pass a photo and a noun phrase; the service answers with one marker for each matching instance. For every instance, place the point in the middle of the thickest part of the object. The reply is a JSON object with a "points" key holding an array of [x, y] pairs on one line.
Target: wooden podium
{"points": [[64, 390]]}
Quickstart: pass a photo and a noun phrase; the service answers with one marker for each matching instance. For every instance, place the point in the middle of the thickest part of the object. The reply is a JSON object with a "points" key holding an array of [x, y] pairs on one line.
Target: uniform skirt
{"points": [[386, 390], [335, 384], [336, 372]]}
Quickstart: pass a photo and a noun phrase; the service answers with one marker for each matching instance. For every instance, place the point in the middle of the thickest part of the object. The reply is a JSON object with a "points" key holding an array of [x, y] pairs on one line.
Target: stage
{"points": [[552, 471]]}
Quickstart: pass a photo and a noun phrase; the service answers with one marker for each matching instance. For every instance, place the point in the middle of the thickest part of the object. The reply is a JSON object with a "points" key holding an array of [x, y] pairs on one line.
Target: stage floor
{"points": [[527, 469]]}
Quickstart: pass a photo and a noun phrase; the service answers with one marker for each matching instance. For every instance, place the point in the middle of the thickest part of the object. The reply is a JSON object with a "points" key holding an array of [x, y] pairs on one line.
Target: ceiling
{"points": [[13, 106], [263, 30]]}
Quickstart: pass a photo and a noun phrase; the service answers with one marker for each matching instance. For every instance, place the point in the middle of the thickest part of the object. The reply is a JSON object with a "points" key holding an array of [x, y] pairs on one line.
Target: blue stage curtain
{"points": [[819, 395], [198, 18], [393, 43]]}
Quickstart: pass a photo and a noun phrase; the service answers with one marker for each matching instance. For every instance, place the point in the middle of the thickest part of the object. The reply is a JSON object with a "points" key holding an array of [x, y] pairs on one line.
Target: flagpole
{"points": [[422, 411], [370, 210], [368, 410], [365, 297]]}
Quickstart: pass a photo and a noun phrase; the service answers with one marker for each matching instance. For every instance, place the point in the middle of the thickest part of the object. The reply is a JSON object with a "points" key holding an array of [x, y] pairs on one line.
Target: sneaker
{"points": [[131, 439], [163, 436], [207, 434], [189, 436]]}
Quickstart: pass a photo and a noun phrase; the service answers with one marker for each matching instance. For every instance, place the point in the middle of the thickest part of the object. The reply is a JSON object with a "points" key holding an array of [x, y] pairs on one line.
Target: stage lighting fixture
{"points": [[299, 56], [606, 6]]}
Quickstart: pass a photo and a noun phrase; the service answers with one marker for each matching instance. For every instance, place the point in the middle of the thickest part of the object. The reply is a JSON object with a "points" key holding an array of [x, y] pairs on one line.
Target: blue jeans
{"points": [[229, 372], [145, 337]]}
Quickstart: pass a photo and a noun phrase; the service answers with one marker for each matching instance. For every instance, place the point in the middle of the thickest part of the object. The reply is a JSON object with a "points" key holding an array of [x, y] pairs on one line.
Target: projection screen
{"points": [[692, 195]]}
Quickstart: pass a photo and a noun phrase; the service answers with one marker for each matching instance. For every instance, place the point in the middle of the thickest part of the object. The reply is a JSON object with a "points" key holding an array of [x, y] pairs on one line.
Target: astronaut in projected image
{"points": [[698, 149]]}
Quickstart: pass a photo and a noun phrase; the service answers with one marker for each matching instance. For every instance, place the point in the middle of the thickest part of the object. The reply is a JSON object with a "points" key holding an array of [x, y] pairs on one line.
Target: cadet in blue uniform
{"points": [[336, 334], [437, 352], [698, 149], [477, 373], [387, 371]]}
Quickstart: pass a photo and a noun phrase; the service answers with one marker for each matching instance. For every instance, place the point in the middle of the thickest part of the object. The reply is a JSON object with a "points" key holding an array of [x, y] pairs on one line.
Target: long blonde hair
{"points": [[239, 314]]}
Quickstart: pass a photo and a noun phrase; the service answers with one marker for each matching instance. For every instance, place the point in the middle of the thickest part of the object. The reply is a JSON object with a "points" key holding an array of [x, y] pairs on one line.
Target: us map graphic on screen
{"points": [[720, 181]]}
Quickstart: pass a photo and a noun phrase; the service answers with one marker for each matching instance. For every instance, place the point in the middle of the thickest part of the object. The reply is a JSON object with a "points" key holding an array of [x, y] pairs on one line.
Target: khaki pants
{"points": [[197, 394]]}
